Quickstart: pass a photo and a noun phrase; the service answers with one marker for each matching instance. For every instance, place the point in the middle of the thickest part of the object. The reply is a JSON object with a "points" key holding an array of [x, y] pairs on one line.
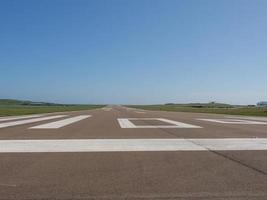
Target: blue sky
{"points": [[134, 52]]}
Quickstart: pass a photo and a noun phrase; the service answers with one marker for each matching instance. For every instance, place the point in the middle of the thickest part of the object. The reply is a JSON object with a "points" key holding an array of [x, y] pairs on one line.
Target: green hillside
{"points": [[10, 107], [216, 108]]}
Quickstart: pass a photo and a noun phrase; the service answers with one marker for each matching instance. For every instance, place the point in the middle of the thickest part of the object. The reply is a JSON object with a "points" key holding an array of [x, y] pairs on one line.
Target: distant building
{"points": [[262, 104]]}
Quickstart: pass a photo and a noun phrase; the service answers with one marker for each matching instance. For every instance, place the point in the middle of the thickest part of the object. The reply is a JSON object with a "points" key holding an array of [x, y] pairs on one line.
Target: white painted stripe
{"points": [[249, 118], [233, 121], [125, 145], [2, 119], [61, 123], [232, 143], [126, 123], [179, 124], [28, 121], [107, 109], [141, 112]]}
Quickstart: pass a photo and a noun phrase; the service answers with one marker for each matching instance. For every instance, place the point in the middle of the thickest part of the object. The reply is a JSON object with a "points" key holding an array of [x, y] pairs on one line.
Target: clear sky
{"points": [[134, 51]]}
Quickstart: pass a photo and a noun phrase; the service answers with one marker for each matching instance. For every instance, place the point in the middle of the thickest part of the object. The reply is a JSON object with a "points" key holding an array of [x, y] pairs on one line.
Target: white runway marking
{"points": [[126, 123], [61, 123], [248, 118], [233, 121], [107, 109], [28, 121], [2, 119], [126, 145], [141, 112]]}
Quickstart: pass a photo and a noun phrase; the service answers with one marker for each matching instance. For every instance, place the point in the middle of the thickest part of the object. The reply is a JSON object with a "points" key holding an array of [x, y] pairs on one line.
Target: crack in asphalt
{"points": [[212, 151], [221, 154]]}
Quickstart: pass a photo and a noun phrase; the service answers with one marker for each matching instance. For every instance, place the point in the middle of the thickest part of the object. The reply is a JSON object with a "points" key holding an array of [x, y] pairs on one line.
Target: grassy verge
{"points": [[26, 110], [248, 111]]}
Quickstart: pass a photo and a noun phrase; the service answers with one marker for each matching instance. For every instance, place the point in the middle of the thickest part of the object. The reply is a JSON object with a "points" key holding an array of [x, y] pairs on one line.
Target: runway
{"points": [[124, 153]]}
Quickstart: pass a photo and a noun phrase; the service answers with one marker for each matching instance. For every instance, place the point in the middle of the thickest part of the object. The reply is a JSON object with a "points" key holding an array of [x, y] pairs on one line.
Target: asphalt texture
{"points": [[135, 174]]}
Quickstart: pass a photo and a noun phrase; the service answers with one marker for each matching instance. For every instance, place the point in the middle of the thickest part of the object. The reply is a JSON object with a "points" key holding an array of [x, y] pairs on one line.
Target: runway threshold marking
{"points": [[126, 123], [126, 145], [61, 123], [233, 121], [28, 121], [106, 109], [2, 119], [248, 118]]}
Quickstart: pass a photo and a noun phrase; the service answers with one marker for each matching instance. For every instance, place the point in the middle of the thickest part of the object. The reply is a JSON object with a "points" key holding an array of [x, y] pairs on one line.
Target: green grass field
{"points": [[248, 111], [9, 110]]}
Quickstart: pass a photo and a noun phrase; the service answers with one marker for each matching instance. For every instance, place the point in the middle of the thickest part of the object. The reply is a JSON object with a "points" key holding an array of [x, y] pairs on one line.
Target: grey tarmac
{"points": [[156, 174]]}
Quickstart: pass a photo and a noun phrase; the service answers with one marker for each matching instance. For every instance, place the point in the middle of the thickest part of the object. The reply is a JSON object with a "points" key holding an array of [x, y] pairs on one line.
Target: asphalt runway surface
{"points": [[123, 153]]}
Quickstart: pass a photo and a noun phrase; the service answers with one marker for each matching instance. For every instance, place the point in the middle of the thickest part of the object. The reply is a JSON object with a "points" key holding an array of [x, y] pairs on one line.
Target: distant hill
{"points": [[204, 105], [13, 102]]}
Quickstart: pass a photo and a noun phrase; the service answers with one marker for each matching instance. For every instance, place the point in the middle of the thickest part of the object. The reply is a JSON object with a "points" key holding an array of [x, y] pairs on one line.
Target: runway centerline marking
{"points": [[61, 123], [28, 121], [233, 121], [126, 123], [126, 145]]}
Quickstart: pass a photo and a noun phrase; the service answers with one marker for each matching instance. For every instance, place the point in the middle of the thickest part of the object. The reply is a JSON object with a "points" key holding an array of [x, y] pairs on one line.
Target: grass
{"points": [[246, 110], [9, 110]]}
